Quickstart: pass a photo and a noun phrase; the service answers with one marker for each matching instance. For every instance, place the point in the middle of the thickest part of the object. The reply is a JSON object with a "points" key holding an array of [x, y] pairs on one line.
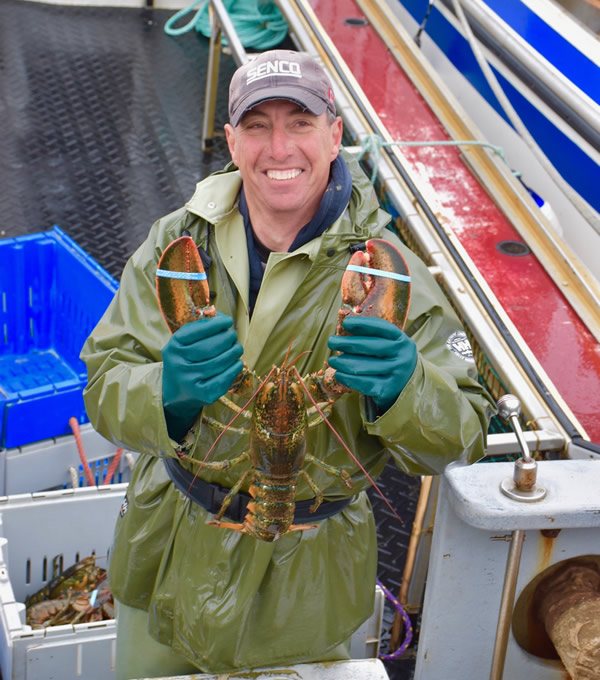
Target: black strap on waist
{"points": [[210, 496]]}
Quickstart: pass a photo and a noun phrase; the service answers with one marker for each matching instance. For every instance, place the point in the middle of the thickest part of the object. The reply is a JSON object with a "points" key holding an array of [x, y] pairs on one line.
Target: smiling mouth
{"points": [[283, 174]]}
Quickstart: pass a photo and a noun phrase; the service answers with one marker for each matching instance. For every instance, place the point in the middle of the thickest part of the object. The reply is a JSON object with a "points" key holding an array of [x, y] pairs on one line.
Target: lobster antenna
{"points": [[348, 451]]}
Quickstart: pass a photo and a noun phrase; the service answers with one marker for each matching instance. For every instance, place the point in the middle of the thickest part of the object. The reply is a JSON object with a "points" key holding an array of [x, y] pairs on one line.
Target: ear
{"points": [[337, 130], [230, 137]]}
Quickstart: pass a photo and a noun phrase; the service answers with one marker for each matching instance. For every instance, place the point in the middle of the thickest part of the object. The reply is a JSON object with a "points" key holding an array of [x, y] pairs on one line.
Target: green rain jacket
{"points": [[221, 598]]}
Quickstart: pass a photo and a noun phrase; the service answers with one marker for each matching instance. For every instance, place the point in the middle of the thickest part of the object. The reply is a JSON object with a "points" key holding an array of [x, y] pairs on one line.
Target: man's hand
{"points": [[377, 359], [200, 363]]}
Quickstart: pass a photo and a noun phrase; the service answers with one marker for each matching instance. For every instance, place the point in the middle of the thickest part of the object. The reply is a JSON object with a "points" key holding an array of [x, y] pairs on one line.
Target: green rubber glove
{"points": [[377, 359], [200, 363]]}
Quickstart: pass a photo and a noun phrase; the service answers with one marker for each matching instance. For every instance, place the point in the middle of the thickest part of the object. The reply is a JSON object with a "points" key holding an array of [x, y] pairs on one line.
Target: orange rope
{"points": [[86, 468], [112, 467]]}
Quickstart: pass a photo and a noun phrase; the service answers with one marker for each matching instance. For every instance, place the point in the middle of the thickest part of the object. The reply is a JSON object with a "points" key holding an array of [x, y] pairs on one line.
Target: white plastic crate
{"points": [[55, 463], [36, 529], [364, 643]]}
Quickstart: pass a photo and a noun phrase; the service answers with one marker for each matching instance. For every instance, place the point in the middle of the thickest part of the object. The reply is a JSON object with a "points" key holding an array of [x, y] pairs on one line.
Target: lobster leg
{"points": [[220, 426], [251, 473], [318, 413], [311, 482], [315, 489], [217, 464], [330, 469]]}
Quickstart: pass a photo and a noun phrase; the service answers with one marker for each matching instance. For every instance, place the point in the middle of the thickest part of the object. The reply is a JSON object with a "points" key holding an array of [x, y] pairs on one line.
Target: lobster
{"points": [[78, 595], [375, 283]]}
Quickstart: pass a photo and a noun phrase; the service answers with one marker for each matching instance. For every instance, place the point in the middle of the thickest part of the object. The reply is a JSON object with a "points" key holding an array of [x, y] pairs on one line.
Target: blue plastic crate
{"points": [[52, 296]]}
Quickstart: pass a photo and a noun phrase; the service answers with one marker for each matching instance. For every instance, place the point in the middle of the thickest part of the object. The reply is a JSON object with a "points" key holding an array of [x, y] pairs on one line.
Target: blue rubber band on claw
{"points": [[187, 276], [378, 272]]}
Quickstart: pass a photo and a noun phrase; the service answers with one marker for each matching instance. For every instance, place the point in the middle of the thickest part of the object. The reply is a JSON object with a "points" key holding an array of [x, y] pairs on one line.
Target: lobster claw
{"points": [[181, 284], [376, 283]]}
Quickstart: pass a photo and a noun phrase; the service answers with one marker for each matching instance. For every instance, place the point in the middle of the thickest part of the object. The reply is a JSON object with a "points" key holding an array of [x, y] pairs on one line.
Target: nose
{"points": [[280, 143]]}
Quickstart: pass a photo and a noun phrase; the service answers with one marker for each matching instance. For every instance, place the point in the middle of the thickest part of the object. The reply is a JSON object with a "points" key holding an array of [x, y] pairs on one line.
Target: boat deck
{"points": [[536, 304], [102, 118]]}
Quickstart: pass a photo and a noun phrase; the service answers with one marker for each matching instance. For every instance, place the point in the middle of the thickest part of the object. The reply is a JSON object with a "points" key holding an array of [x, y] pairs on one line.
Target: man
{"points": [[275, 229]]}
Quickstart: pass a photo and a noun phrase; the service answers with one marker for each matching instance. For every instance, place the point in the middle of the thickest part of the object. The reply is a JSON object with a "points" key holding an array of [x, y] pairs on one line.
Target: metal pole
{"points": [[237, 49], [220, 24], [506, 604], [212, 81], [521, 488], [409, 564]]}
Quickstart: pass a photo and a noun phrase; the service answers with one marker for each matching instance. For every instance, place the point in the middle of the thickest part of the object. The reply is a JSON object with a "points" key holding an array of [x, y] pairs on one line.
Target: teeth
{"points": [[283, 174]]}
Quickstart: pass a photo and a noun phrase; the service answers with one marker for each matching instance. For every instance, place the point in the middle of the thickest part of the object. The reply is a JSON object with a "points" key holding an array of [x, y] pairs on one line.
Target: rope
{"points": [[74, 424], [407, 625], [81, 451], [258, 23], [372, 145], [113, 466], [423, 23]]}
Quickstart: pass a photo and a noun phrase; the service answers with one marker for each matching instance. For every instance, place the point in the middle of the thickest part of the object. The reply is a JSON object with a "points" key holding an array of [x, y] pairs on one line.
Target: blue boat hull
{"points": [[564, 121]]}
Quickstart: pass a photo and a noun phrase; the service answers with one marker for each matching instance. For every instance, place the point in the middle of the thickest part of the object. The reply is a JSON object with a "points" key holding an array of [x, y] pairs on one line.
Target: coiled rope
{"points": [[258, 23]]}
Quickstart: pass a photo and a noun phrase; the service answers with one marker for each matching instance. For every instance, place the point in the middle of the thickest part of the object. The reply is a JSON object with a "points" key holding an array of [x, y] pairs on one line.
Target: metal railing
{"points": [[221, 25]]}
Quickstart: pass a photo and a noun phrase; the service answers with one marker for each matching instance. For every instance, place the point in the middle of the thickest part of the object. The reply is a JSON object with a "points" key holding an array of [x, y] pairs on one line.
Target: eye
{"points": [[302, 123], [254, 125]]}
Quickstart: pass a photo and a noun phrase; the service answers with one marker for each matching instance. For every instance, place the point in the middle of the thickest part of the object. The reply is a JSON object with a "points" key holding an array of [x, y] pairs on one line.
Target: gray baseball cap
{"points": [[280, 74]]}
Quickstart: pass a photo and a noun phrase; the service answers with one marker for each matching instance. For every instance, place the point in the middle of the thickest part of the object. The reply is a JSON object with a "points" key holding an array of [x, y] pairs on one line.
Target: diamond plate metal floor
{"points": [[102, 116]]}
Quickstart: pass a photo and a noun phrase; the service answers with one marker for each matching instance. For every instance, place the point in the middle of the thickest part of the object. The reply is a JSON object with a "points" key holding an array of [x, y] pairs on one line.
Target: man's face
{"points": [[284, 156]]}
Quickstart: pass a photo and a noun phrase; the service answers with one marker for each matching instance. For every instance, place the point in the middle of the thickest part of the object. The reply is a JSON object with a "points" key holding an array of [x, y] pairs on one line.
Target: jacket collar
{"points": [[216, 197]]}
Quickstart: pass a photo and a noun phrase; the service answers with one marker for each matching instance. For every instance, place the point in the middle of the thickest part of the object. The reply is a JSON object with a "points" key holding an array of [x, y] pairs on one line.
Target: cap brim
{"points": [[307, 100]]}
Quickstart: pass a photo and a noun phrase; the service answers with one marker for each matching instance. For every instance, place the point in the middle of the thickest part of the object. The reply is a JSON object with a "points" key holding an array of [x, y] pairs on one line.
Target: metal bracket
{"points": [[523, 485]]}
